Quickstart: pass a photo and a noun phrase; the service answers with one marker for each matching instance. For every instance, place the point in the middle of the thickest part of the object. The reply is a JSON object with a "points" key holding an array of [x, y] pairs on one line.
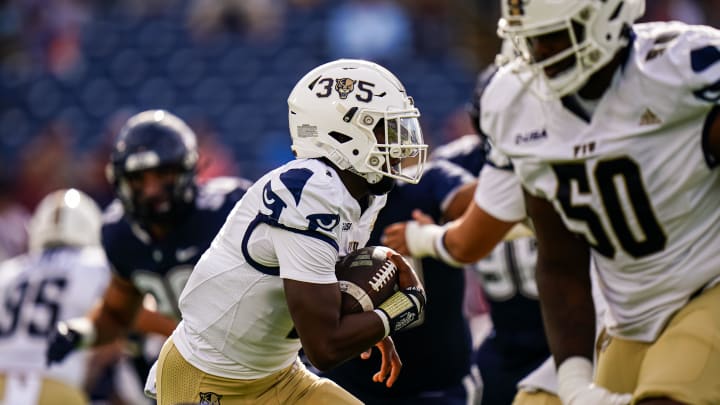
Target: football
{"points": [[367, 278]]}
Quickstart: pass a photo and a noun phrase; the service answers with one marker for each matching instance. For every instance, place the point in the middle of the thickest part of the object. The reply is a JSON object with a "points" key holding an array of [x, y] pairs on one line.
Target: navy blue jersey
{"points": [[162, 267], [436, 354], [467, 152]]}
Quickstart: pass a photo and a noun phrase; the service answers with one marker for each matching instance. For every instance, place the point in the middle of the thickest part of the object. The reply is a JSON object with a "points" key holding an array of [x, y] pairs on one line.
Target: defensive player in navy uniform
{"points": [[612, 127], [154, 233], [437, 349], [267, 285]]}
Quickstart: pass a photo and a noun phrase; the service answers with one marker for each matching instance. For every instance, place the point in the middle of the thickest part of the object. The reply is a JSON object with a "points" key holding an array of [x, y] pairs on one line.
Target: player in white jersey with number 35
{"points": [[266, 286], [62, 276], [613, 130]]}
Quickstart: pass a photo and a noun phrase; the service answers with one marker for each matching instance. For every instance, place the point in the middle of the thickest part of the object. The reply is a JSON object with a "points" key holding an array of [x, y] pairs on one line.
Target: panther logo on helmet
{"points": [[344, 87]]}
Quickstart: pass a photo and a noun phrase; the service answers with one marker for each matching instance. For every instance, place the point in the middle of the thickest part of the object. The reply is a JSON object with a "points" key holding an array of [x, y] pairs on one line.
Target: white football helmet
{"points": [[334, 110], [65, 218], [596, 28]]}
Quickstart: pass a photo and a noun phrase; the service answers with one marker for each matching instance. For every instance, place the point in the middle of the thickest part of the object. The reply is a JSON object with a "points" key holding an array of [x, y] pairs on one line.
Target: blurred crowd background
{"points": [[71, 72]]}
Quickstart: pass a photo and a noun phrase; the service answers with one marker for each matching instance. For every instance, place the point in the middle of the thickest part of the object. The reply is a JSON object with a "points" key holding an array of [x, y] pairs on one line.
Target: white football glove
{"points": [[575, 385]]}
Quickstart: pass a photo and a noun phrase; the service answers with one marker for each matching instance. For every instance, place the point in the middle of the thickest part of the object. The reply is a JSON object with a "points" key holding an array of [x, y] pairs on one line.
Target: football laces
{"points": [[383, 276]]}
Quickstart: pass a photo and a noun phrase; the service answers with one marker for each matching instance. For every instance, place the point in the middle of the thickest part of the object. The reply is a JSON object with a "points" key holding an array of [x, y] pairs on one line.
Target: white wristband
{"points": [[420, 239], [385, 321], [443, 254], [428, 241], [85, 328]]}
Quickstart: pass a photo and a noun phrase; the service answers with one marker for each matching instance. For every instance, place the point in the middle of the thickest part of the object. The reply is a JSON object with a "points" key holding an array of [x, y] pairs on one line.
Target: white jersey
{"points": [[36, 291], [634, 179], [293, 223]]}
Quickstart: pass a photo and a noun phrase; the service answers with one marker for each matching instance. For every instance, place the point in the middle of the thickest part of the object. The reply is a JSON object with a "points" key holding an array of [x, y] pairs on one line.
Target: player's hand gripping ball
{"points": [[367, 278]]}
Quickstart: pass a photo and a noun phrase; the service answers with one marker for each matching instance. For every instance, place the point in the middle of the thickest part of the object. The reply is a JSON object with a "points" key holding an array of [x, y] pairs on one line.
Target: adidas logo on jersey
{"points": [[649, 118]]}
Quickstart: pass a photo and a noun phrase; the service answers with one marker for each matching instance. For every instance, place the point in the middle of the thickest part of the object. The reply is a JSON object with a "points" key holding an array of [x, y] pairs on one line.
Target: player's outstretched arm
{"points": [[394, 234], [108, 321], [475, 234], [465, 240]]}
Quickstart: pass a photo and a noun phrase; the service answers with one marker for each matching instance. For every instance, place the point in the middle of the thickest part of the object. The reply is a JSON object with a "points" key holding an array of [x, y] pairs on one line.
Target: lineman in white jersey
{"points": [[613, 131], [498, 210], [62, 276], [267, 286]]}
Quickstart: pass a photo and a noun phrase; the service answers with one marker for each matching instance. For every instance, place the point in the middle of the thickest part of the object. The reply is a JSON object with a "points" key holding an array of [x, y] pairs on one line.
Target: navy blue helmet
{"points": [[154, 139]]}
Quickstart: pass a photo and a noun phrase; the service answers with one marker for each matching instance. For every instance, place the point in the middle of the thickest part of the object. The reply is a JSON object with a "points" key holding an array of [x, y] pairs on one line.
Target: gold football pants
{"points": [[682, 364], [178, 382]]}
